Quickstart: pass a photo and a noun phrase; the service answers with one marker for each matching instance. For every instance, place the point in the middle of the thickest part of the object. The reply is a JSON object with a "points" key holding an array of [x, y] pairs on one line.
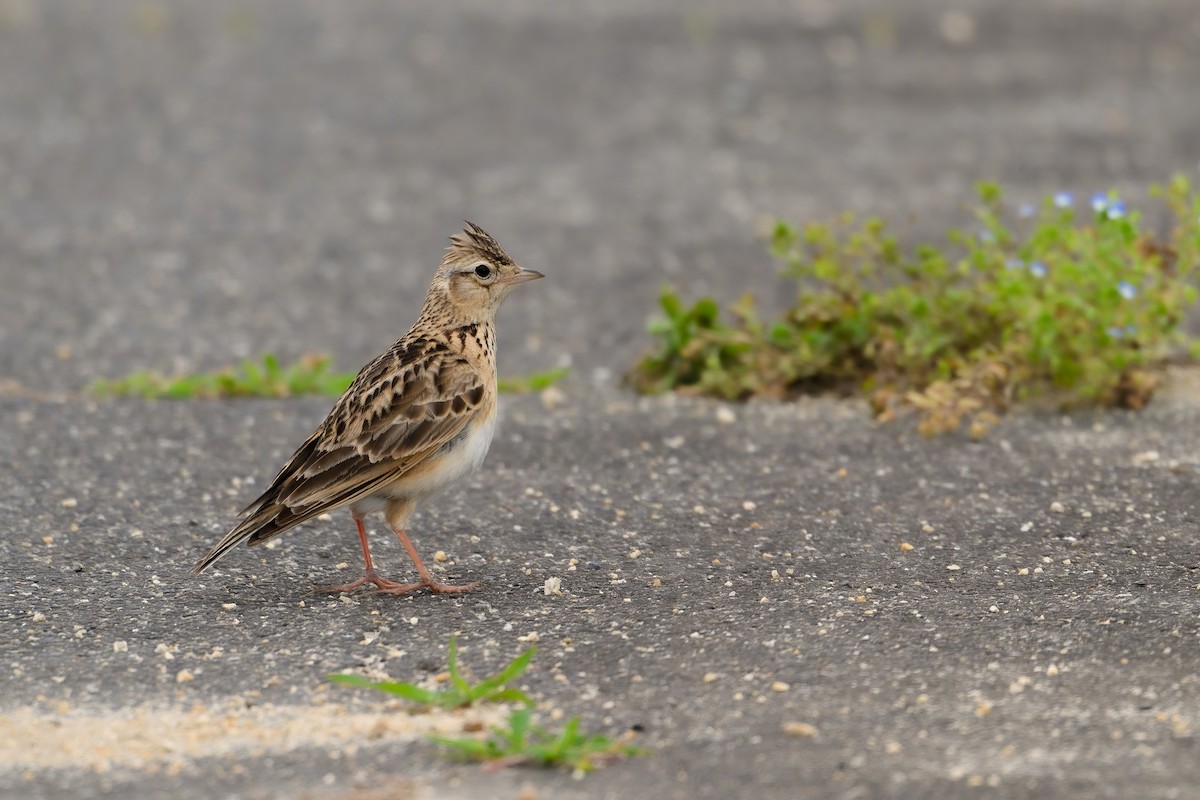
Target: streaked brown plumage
{"points": [[415, 420]]}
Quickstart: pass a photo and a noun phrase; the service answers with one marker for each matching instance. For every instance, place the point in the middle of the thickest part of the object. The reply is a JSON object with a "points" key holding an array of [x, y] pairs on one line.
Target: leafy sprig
{"points": [[459, 692]]}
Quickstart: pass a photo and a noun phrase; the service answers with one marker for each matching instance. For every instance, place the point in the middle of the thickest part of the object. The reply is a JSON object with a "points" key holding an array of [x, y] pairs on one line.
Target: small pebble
{"points": [[553, 397]]}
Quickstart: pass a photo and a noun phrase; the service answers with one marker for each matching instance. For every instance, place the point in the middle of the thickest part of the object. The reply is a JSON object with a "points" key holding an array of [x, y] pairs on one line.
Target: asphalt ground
{"points": [[187, 185]]}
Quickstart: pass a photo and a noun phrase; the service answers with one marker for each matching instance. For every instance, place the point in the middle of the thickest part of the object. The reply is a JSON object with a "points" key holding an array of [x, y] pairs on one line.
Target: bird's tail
{"points": [[268, 516], [264, 519], [254, 526]]}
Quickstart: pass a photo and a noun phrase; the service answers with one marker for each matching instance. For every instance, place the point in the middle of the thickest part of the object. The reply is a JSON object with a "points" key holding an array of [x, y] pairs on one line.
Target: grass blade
{"points": [[407, 691], [514, 670], [459, 682]]}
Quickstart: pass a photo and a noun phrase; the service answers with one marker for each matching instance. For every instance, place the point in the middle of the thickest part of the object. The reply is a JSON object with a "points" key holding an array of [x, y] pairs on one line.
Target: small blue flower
{"points": [[1037, 269], [986, 235], [1115, 332], [1026, 211], [1064, 200], [1127, 290], [1099, 202], [1115, 210]]}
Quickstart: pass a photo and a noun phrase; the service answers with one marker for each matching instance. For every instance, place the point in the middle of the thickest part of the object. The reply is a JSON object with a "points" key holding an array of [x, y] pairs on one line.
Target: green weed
{"points": [[534, 382], [459, 692], [267, 378], [1084, 305], [520, 742], [312, 374]]}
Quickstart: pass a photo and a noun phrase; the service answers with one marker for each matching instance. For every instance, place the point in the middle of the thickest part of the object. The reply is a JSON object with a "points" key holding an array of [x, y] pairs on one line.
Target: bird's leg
{"points": [[372, 576], [427, 581]]}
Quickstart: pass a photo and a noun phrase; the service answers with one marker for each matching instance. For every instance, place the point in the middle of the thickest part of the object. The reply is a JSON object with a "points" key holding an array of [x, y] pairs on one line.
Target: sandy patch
{"points": [[150, 738]]}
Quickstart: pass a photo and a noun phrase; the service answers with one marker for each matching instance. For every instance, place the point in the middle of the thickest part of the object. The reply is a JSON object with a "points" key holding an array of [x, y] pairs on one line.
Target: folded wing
{"points": [[400, 410]]}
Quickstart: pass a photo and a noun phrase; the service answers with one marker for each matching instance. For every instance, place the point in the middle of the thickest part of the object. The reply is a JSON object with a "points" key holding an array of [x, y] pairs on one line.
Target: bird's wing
{"points": [[401, 409], [388, 427]]}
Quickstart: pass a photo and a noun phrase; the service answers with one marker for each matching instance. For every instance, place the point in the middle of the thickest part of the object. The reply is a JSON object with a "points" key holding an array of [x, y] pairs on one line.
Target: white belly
{"points": [[450, 465]]}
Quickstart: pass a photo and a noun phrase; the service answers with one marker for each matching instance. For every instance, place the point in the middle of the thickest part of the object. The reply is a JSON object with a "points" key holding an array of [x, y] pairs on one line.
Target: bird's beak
{"points": [[523, 276]]}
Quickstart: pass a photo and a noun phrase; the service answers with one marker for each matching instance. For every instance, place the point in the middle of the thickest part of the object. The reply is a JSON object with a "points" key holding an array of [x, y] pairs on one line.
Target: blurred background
{"points": [[184, 185]]}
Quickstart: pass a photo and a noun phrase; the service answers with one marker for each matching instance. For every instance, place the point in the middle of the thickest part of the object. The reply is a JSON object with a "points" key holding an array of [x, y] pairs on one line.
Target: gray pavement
{"points": [[189, 184]]}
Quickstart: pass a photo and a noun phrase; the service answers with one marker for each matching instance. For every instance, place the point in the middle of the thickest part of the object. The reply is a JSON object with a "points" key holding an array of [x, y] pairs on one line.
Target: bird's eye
{"points": [[483, 271]]}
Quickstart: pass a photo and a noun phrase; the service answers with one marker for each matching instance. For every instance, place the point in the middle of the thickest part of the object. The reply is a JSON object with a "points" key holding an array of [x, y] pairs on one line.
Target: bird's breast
{"points": [[455, 460]]}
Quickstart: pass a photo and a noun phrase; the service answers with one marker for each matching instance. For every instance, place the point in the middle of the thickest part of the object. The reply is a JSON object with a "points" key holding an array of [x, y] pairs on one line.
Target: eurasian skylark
{"points": [[416, 420]]}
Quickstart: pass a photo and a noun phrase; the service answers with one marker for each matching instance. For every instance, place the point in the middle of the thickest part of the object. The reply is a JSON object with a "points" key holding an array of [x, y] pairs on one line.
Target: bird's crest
{"points": [[475, 242]]}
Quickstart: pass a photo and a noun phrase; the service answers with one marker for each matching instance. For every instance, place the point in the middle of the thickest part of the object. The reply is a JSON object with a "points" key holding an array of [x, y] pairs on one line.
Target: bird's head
{"points": [[476, 275]]}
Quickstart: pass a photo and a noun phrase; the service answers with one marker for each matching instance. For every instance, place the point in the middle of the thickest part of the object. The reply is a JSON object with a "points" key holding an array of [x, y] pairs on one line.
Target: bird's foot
{"points": [[432, 585], [381, 583]]}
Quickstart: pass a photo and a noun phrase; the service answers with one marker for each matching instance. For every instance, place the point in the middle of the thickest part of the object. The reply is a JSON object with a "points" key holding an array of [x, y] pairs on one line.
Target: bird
{"points": [[415, 420]]}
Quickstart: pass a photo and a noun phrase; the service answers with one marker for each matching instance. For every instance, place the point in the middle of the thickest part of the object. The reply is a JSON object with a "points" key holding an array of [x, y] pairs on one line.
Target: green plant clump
{"points": [[1086, 307], [532, 383], [312, 374], [519, 741]]}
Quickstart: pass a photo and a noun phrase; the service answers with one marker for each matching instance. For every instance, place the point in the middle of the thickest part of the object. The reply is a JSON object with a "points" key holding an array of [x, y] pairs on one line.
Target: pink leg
{"points": [[427, 581], [372, 576]]}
